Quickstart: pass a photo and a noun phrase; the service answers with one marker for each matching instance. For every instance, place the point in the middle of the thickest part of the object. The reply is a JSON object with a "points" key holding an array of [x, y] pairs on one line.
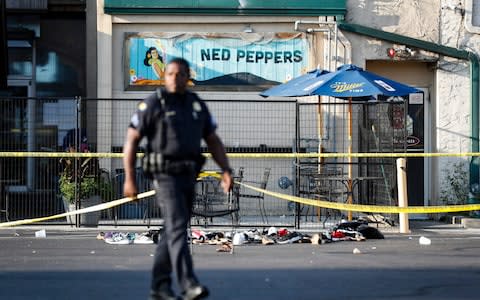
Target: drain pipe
{"points": [[442, 50]]}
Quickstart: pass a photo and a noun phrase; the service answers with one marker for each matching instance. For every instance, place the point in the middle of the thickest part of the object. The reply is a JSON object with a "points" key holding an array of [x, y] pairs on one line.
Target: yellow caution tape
{"points": [[369, 208], [365, 208], [245, 155], [98, 207], [64, 154]]}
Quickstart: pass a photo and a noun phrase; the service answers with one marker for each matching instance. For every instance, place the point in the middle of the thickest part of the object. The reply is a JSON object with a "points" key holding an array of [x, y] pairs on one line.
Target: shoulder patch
{"points": [[196, 106]]}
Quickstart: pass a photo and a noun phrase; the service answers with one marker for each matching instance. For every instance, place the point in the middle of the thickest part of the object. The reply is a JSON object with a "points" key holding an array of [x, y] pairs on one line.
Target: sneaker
{"points": [[282, 232], [225, 248], [306, 239], [266, 240], [142, 238], [101, 235], [257, 238], [195, 292], [154, 235], [120, 238], [272, 231], [238, 239], [290, 238], [316, 239]]}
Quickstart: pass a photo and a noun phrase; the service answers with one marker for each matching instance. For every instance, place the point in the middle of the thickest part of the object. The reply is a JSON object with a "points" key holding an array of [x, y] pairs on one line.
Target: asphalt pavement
{"points": [[72, 264]]}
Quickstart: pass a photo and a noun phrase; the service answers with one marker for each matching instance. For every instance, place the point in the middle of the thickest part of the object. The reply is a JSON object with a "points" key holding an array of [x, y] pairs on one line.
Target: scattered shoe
{"points": [[143, 239], [257, 239], [337, 234], [238, 239], [225, 248], [272, 231], [290, 238], [306, 239], [196, 292], [282, 232], [267, 240], [154, 234], [120, 238], [101, 235], [316, 239]]}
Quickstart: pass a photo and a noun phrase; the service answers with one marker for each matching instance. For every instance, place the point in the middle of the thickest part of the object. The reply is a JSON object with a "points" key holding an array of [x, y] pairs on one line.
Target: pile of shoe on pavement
{"points": [[357, 230], [344, 231]]}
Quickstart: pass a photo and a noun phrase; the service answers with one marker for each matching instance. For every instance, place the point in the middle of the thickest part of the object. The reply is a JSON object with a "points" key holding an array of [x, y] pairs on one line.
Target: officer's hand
{"points": [[227, 182], [130, 189]]}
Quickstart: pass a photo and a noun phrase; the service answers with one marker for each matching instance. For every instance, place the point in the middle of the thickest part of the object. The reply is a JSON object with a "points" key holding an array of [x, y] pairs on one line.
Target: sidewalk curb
{"points": [[466, 222]]}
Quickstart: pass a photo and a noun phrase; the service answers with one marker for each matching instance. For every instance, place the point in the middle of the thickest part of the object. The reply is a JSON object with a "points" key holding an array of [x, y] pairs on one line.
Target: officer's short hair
{"points": [[181, 62]]}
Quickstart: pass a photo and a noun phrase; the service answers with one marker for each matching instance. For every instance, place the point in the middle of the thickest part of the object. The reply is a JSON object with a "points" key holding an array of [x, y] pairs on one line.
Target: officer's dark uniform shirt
{"points": [[186, 121]]}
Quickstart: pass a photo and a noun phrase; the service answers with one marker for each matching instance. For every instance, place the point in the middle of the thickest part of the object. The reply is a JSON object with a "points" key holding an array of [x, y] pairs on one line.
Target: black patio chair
{"points": [[262, 184]]}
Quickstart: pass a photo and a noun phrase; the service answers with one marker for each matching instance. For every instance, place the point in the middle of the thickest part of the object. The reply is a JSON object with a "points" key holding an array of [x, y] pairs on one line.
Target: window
{"points": [[472, 16]]}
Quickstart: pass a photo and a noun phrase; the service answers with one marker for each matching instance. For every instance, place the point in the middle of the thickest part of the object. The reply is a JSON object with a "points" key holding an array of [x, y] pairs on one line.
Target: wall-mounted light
{"points": [[391, 52], [402, 52]]}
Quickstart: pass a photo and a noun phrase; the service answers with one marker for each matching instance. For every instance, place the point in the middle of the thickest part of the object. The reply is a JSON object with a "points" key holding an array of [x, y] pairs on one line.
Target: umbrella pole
{"points": [[320, 144], [320, 133], [350, 167]]}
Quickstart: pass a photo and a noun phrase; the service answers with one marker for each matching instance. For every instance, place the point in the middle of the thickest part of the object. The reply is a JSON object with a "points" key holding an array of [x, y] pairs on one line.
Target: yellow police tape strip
{"points": [[244, 155], [98, 207], [79, 211], [313, 202], [364, 208], [369, 208]]}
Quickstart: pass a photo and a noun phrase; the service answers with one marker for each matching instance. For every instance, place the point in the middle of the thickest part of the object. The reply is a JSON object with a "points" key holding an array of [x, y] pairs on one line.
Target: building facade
{"points": [[444, 114]]}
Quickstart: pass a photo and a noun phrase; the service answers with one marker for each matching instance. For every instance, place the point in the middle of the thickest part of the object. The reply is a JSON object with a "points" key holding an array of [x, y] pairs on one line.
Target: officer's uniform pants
{"points": [[174, 195]]}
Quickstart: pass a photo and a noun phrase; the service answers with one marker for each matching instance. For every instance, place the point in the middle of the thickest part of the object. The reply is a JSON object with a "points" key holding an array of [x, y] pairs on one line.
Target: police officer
{"points": [[174, 120]]}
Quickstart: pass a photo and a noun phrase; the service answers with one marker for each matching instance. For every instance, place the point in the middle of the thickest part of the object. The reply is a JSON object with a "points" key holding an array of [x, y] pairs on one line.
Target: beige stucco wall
{"points": [[413, 18], [453, 127], [434, 21]]}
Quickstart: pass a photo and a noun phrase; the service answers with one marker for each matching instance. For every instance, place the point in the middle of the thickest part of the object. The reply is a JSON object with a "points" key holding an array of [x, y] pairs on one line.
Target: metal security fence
{"points": [[51, 184], [374, 127]]}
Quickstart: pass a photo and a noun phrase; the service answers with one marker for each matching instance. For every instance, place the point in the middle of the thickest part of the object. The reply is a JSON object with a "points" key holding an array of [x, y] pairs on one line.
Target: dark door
{"points": [[415, 143]]}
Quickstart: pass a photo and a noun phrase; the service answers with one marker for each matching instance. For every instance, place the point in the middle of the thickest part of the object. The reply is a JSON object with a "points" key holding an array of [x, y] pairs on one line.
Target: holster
{"points": [[149, 165], [199, 161]]}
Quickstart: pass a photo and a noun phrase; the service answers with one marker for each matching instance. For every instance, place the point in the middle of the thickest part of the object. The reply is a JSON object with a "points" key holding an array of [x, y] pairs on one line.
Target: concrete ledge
{"points": [[457, 219], [470, 222]]}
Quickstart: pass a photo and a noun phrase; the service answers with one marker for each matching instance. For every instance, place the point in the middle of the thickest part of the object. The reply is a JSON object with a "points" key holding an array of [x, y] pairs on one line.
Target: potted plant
{"points": [[86, 182]]}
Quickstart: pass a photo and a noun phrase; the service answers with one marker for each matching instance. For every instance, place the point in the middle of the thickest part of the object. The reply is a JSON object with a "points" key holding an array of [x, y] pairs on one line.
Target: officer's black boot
{"points": [[163, 294], [195, 292]]}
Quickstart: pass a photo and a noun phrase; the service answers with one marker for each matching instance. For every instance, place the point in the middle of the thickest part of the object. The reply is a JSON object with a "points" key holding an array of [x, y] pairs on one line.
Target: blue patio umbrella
{"points": [[291, 88], [348, 82]]}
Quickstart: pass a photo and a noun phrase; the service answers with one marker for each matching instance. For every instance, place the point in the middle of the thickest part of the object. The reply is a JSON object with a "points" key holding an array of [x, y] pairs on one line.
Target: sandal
{"points": [[225, 248]]}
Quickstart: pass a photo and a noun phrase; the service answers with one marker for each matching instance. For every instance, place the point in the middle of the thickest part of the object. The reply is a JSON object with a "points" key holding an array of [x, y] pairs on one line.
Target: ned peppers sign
{"points": [[218, 59]]}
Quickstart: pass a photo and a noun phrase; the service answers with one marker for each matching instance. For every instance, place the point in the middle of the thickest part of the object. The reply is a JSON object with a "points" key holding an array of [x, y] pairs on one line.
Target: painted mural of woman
{"points": [[153, 59]]}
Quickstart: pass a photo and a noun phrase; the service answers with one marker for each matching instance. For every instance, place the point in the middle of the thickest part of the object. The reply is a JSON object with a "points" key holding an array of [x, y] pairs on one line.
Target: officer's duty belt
{"points": [[158, 163]]}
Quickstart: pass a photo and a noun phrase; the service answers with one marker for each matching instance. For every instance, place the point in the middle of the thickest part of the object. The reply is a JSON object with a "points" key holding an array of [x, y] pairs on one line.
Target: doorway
{"points": [[420, 75], [418, 141], [19, 119]]}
